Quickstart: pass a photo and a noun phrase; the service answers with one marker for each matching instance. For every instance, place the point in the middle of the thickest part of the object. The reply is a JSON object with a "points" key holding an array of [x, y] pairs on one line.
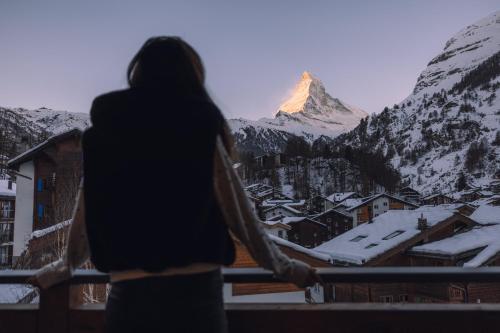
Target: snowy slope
{"points": [[55, 121], [453, 110], [309, 112]]}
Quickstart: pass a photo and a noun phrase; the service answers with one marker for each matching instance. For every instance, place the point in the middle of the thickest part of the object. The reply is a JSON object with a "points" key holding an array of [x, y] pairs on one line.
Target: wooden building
{"points": [[294, 251], [365, 209], [320, 204], [437, 199], [336, 221], [479, 246], [410, 194], [306, 232], [387, 242], [48, 176]]}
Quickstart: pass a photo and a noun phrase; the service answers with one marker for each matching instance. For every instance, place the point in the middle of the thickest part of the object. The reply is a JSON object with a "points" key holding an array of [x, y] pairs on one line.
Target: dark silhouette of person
{"points": [[153, 217]]}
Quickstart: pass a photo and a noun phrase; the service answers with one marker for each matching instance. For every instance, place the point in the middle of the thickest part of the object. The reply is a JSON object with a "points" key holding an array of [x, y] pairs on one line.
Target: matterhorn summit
{"points": [[310, 102], [309, 112]]}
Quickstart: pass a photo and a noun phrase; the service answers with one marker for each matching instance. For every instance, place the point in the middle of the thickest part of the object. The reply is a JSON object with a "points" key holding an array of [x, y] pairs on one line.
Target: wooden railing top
{"points": [[328, 275]]}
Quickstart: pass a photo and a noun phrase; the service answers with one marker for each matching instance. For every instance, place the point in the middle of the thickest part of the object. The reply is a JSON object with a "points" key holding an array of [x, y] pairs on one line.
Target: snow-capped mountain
{"points": [[54, 121], [21, 129], [309, 112], [446, 134]]}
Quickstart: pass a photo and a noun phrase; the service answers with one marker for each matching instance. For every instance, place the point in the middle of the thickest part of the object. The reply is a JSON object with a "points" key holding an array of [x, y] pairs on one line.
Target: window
{"points": [[371, 245], [394, 234], [385, 203], [357, 238], [329, 219], [346, 227], [375, 206], [39, 185], [403, 298], [40, 211], [280, 233], [386, 299]]}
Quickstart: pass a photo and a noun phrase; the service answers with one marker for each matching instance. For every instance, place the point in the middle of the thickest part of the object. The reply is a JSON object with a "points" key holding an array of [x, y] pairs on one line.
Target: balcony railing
{"points": [[55, 314]]}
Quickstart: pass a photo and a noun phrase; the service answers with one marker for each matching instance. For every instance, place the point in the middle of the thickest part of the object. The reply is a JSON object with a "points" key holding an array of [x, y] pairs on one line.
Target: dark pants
{"points": [[183, 303]]}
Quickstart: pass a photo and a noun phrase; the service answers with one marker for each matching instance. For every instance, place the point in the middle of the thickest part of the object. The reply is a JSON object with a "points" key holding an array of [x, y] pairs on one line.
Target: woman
{"points": [[160, 198]]}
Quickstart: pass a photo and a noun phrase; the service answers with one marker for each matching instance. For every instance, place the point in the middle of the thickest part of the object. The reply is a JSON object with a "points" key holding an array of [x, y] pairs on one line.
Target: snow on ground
{"points": [[13, 293]]}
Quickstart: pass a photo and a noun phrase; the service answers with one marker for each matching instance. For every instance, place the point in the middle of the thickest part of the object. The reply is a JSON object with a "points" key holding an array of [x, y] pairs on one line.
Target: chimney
{"points": [[9, 184], [422, 222]]}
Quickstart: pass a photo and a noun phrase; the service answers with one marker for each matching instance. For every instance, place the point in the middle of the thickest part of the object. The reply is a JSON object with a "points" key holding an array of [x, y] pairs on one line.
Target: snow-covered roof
{"points": [[291, 209], [486, 215], [55, 227], [329, 211], [340, 196], [351, 204], [432, 196], [276, 224], [4, 188], [286, 202], [30, 153], [298, 248], [486, 238], [388, 230], [485, 201]]}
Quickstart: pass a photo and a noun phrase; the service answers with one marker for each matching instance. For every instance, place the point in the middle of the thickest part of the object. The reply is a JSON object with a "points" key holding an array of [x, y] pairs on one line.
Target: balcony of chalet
{"points": [[59, 310]]}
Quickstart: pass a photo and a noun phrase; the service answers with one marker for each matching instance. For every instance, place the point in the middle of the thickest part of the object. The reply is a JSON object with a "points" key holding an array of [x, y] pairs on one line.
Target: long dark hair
{"points": [[170, 63]]}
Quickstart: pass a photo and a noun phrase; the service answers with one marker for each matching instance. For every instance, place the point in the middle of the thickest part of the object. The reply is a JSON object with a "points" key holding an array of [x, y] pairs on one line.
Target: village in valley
{"points": [[339, 229]]}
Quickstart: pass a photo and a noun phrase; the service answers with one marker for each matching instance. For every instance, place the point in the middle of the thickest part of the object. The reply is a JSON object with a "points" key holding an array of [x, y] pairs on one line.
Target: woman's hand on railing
{"points": [[302, 275], [50, 275]]}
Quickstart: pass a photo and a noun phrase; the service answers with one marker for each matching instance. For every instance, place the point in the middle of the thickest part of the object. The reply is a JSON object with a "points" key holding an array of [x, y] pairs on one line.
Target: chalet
{"points": [[318, 204], [260, 192], [294, 203], [494, 200], [277, 228], [305, 231], [477, 247], [336, 221], [437, 199], [48, 176], [365, 209], [410, 194], [462, 208], [274, 292], [321, 203], [495, 186], [7, 205], [386, 242], [280, 211]]}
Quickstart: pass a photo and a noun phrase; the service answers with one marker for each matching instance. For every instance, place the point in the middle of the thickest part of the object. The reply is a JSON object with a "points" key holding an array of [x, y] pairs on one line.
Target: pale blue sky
{"points": [[61, 54]]}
